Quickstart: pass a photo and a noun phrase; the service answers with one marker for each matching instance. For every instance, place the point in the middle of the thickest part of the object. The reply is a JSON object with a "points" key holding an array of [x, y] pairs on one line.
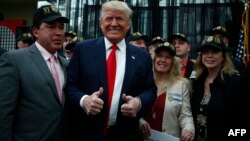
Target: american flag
{"points": [[240, 49]]}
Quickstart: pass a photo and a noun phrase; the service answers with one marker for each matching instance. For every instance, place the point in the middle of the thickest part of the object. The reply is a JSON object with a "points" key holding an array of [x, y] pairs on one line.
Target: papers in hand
{"points": [[160, 136]]}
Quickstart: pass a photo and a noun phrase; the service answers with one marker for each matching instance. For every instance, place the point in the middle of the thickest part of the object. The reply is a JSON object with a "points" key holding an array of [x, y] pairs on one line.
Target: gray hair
{"points": [[116, 5]]}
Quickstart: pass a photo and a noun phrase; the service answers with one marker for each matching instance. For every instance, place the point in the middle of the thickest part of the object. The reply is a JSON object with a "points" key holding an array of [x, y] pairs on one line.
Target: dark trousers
{"points": [[110, 134]]}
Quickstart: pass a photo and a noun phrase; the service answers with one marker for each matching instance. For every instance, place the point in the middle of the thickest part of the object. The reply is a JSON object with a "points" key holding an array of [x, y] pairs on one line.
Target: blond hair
{"points": [[227, 66], [174, 73], [116, 5]]}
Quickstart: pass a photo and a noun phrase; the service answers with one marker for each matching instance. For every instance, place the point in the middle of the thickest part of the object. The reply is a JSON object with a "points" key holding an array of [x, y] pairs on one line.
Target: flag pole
{"points": [[245, 26]]}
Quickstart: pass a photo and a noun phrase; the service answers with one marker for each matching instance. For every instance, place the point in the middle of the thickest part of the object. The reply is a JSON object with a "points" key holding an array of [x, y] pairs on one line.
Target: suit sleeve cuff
{"points": [[81, 101], [139, 100]]}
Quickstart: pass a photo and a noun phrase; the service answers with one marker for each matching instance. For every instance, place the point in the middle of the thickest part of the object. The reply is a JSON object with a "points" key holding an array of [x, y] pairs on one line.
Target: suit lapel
{"points": [[129, 67], [100, 58], [41, 64]]}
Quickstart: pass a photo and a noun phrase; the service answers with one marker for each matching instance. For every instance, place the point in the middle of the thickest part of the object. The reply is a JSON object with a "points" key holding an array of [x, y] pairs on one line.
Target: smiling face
{"points": [[114, 25], [50, 36], [163, 62], [212, 58]]}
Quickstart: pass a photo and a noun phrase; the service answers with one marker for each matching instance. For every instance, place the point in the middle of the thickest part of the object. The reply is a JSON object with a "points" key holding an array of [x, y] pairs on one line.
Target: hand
{"points": [[145, 128], [93, 104], [186, 135], [131, 106]]}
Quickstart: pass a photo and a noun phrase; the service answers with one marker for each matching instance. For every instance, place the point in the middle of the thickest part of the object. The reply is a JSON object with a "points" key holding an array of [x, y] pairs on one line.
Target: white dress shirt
{"points": [[120, 72]]}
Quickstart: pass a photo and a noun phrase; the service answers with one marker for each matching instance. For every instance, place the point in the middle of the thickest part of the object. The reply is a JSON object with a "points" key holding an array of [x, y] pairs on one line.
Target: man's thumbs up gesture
{"points": [[92, 103], [131, 106]]}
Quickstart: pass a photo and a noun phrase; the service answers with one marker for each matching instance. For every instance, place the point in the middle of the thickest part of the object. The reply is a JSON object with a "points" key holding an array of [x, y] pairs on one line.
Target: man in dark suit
{"points": [[182, 49], [99, 116], [32, 79]]}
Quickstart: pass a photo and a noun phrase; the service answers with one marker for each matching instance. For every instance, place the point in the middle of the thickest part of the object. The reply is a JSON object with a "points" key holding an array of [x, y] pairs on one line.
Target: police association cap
{"points": [[165, 46], [178, 36], [25, 37], [48, 13], [212, 42], [157, 39], [138, 35], [219, 30]]}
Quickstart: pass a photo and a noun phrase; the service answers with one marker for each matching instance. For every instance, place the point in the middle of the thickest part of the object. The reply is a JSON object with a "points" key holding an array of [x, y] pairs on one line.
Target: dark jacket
{"points": [[30, 109], [244, 98], [189, 69], [222, 112], [2, 51]]}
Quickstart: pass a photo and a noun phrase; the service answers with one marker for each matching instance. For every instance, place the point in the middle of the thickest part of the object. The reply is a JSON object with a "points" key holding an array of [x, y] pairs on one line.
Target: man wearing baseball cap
{"points": [[69, 48], [24, 40], [32, 80], [154, 43], [69, 36], [139, 40], [220, 32], [182, 49]]}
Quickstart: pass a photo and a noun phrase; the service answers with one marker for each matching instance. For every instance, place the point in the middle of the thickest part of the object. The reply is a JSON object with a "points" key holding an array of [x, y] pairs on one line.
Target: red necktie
{"points": [[183, 69], [55, 75], [111, 72]]}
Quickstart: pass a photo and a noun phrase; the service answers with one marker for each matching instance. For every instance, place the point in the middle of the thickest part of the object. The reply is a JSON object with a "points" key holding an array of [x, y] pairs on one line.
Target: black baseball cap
{"points": [[166, 46], [71, 45], [213, 42], [219, 30], [71, 34], [48, 13], [25, 37], [138, 35], [178, 36], [157, 39]]}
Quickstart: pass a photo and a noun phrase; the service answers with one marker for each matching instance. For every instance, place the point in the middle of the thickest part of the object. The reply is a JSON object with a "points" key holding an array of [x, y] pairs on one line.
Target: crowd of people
{"points": [[55, 87]]}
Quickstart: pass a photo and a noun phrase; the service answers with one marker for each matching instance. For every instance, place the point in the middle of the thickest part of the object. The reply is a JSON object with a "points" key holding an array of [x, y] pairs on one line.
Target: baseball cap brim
{"points": [[177, 37], [157, 41], [211, 45], [223, 33], [56, 18], [25, 39], [145, 38], [69, 34], [169, 50]]}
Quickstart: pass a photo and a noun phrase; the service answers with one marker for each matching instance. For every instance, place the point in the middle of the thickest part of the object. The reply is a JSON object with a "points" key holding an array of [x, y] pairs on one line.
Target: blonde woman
{"points": [[214, 88], [172, 112]]}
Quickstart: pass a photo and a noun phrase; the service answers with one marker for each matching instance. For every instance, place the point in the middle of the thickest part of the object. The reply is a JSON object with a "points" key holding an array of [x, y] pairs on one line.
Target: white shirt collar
{"points": [[121, 45]]}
